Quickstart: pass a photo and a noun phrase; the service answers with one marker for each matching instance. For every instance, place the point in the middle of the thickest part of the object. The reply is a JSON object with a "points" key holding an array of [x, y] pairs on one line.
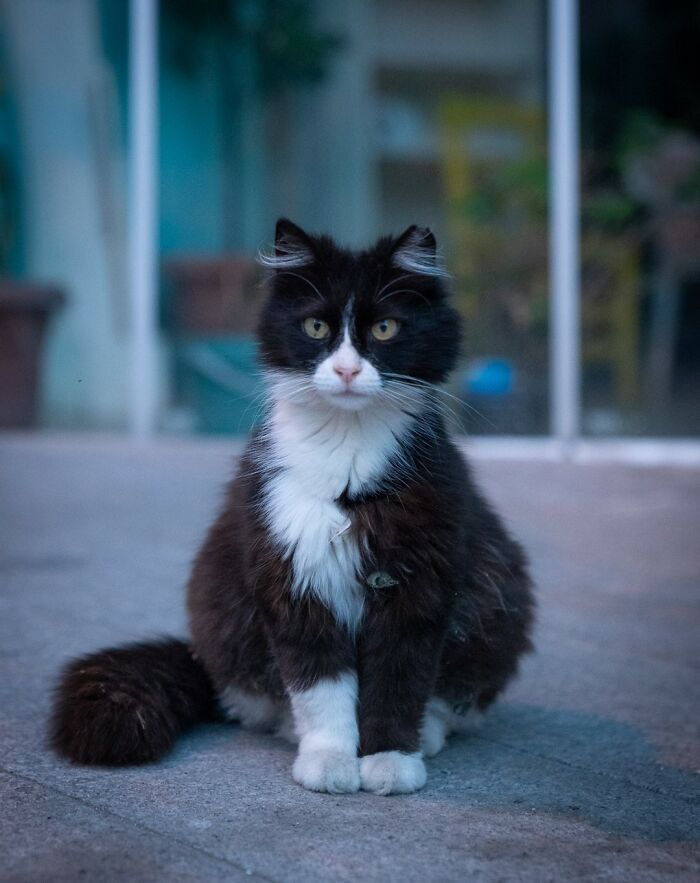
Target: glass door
{"points": [[357, 119], [640, 239]]}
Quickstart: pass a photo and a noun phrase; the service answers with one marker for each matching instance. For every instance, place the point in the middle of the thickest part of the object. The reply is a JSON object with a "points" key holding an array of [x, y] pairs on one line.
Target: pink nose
{"points": [[347, 375]]}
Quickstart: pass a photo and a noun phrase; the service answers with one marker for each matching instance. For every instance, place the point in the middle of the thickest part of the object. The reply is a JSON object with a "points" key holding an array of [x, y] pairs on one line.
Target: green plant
{"points": [[607, 209], [288, 48], [641, 131]]}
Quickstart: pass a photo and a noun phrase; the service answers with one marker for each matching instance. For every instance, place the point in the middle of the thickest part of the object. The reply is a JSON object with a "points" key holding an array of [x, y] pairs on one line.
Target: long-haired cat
{"points": [[356, 593]]}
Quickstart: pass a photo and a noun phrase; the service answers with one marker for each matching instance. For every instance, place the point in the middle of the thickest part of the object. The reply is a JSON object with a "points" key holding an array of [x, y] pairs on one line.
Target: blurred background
{"points": [[358, 118]]}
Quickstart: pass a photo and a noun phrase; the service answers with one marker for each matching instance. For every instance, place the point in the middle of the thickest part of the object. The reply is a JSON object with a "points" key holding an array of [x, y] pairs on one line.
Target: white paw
{"points": [[435, 727], [432, 737], [392, 772], [335, 772]]}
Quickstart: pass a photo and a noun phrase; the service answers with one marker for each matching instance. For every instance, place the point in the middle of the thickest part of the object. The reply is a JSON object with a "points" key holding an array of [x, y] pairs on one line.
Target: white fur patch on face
{"points": [[325, 720], [317, 453], [347, 380], [392, 772]]}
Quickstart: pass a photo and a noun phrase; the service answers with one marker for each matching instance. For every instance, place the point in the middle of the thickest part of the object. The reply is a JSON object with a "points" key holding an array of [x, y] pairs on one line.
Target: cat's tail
{"points": [[128, 705]]}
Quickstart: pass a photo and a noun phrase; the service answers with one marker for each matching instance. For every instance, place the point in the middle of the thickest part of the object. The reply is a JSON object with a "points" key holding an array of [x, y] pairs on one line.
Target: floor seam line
{"points": [[253, 875], [690, 801]]}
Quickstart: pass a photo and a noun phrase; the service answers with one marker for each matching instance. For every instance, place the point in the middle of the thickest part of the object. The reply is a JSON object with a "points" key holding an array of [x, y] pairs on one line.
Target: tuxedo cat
{"points": [[356, 593]]}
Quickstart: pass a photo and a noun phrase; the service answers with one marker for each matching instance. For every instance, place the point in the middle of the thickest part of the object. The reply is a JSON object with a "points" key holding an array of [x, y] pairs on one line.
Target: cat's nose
{"points": [[347, 374]]}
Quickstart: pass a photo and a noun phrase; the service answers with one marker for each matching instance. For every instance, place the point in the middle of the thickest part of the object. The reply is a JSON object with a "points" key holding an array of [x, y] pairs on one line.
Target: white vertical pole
{"points": [[142, 249], [564, 223]]}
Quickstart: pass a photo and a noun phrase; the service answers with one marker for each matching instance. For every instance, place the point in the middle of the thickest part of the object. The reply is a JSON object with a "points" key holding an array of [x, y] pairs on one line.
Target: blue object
{"points": [[490, 378]]}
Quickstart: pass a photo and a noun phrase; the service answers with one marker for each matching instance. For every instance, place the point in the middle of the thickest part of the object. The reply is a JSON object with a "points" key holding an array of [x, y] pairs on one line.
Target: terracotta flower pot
{"points": [[24, 312], [212, 296]]}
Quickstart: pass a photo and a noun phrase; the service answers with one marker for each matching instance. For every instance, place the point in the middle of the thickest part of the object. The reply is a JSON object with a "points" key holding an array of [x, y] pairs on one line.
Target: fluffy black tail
{"points": [[128, 705]]}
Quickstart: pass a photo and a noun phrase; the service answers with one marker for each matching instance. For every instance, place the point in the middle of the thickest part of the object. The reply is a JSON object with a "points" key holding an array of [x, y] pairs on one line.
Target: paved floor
{"points": [[588, 770]]}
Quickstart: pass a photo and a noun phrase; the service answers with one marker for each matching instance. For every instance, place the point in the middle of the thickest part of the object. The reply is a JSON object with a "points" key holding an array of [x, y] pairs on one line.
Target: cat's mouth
{"points": [[351, 393], [349, 399]]}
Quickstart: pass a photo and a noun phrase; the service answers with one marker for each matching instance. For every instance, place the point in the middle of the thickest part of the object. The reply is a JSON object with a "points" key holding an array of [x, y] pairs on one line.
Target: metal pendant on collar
{"points": [[381, 580]]}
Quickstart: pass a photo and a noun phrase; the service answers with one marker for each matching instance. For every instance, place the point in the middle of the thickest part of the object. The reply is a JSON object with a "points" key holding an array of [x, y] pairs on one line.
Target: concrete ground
{"points": [[587, 770]]}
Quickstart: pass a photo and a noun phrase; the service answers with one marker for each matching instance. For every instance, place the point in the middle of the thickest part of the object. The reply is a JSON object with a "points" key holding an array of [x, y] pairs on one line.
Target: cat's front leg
{"points": [[325, 719], [316, 658], [398, 664]]}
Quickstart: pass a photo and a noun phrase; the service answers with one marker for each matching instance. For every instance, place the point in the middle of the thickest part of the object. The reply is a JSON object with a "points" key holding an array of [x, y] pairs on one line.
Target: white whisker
{"points": [[304, 279], [377, 294], [404, 291]]}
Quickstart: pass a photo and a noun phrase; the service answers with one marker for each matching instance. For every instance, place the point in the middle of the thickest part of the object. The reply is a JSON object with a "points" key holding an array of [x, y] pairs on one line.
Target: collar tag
{"points": [[381, 580]]}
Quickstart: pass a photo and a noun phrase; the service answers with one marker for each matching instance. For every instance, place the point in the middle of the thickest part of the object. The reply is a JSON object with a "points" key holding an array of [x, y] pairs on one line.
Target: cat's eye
{"points": [[316, 328], [385, 329]]}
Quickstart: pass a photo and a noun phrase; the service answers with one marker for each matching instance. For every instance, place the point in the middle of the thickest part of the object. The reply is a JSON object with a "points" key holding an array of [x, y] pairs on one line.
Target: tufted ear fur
{"points": [[415, 251], [293, 248]]}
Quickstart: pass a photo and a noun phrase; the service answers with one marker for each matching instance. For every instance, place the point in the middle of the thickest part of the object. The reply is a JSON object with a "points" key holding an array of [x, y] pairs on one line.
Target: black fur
{"points": [[454, 623], [128, 705]]}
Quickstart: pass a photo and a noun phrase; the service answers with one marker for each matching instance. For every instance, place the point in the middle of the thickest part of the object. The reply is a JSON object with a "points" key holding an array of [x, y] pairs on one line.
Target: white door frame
{"points": [[564, 223], [563, 113], [143, 220]]}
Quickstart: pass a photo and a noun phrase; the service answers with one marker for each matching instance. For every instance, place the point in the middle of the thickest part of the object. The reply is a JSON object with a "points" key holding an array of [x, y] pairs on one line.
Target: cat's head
{"points": [[353, 329]]}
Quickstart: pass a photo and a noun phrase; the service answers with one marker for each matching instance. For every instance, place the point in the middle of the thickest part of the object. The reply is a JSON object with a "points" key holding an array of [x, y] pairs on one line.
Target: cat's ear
{"points": [[291, 239], [293, 247], [415, 250]]}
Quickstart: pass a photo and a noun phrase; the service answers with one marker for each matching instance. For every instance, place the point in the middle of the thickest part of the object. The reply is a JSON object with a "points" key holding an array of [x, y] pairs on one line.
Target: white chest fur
{"points": [[320, 454]]}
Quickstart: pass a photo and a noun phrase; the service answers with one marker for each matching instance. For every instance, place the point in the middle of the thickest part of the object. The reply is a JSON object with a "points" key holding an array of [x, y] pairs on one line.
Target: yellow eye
{"points": [[316, 328], [385, 329]]}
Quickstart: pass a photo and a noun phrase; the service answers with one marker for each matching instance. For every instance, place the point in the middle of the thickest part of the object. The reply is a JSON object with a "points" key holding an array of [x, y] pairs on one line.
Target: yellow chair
{"points": [[497, 233]]}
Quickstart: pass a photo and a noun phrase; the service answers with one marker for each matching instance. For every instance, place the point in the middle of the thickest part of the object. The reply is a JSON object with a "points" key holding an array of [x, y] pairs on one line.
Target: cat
{"points": [[356, 594]]}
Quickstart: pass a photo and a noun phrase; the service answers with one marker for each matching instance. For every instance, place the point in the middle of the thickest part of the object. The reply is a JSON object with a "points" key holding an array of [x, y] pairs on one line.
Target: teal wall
{"points": [[191, 158], [191, 134]]}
